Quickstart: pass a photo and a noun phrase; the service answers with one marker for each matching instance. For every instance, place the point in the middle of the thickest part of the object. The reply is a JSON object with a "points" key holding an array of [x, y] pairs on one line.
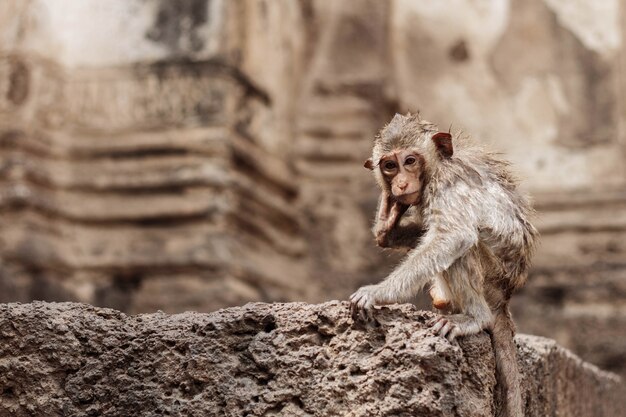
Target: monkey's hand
{"points": [[362, 302], [389, 215]]}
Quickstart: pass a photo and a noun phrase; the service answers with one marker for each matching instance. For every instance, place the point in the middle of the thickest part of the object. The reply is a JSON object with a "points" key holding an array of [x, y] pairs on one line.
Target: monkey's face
{"points": [[402, 170]]}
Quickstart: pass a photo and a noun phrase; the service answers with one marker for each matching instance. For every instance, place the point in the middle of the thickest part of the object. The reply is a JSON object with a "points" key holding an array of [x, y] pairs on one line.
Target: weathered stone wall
{"points": [[205, 153], [272, 360]]}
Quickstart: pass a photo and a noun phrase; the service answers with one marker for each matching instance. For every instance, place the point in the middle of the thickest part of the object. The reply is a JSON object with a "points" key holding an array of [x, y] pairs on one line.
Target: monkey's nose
{"points": [[402, 186]]}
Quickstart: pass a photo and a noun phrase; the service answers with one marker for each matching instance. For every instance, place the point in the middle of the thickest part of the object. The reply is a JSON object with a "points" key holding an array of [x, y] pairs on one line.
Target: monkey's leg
{"points": [[440, 293], [466, 281]]}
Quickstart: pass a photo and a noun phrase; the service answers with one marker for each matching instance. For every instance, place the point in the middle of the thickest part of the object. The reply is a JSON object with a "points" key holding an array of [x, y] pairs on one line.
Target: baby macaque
{"points": [[458, 210]]}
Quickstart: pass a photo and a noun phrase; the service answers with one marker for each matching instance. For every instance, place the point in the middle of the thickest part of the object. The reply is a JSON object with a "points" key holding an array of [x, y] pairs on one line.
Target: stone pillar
{"points": [[133, 175]]}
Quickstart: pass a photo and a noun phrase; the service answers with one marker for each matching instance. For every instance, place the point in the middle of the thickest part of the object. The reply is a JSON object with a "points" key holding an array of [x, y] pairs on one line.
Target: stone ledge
{"points": [[292, 359]]}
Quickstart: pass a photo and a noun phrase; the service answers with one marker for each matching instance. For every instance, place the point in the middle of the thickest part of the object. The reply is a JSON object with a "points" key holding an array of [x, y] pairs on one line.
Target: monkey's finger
{"points": [[356, 305], [439, 324], [356, 300], [356, 312], [370, 313], [352, 310], [454, 333], [435, 320], [366, 309], [363, 314], [446, 329]]}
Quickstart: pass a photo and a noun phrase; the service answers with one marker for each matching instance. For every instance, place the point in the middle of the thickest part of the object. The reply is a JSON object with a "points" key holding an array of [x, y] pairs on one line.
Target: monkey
{"points": [[458, 210]]}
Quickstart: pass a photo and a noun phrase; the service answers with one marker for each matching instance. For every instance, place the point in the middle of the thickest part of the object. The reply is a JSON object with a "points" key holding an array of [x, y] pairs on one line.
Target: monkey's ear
{"points": [[369, 164], [443, 142]]}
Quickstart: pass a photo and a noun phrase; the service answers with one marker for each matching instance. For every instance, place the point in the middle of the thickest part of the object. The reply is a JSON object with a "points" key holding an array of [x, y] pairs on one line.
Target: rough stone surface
{"points": [[271, 360]]}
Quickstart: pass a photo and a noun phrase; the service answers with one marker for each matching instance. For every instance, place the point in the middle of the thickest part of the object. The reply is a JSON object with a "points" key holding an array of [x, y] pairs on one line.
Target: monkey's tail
{"points": [[509, 395]]}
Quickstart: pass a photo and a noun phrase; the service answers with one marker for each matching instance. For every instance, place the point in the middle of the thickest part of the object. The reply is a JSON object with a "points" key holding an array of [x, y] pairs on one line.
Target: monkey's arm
{"points": [[440, 248], [403, 236], [452, 231]]}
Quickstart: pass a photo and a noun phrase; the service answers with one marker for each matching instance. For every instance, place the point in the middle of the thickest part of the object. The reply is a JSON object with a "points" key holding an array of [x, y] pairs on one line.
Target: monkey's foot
{"points": [[456, 325]]}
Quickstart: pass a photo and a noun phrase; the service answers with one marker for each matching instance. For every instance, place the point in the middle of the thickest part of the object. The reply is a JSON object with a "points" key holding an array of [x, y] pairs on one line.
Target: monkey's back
{"points": [[506, 235]]}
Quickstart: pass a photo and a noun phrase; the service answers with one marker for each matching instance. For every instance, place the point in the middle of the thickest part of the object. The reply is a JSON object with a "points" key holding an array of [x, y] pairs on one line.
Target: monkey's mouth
{"points": [[408, 199]]}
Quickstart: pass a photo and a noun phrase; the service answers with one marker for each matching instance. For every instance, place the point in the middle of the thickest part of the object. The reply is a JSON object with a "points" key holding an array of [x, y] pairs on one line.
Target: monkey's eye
{"points": [[410, 160], [389, 165]]}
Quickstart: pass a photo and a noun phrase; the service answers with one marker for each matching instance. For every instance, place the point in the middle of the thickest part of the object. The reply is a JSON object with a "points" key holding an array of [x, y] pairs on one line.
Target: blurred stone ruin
{"points": [[201, 154]]}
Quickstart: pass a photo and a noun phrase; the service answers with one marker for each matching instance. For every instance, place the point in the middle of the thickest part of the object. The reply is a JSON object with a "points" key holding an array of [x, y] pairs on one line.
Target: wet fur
{"points": [[472, 229]]}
